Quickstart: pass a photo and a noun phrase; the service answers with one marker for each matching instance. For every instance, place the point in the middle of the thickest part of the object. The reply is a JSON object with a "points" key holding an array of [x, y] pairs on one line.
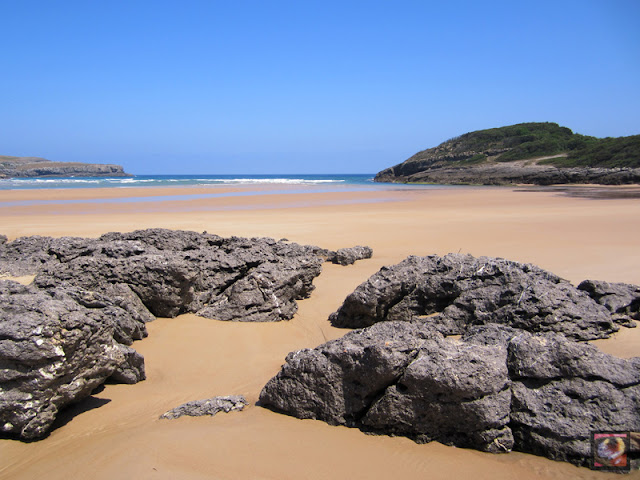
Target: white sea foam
{"points": [[289, 181], [178, 180], [56, 180], [127, 181]]}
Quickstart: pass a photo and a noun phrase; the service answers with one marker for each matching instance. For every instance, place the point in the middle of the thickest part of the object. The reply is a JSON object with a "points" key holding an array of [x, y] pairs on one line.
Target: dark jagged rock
{"points": [[117, 303], [563, 390], [349, 256], [174, 272], [400, 378], [621, 299], [496, 389], [490, 334], [266, 293], [328, 382], [210, 406], [131, 370], [455, 291], [25, 255], [53, 352], [451, 394], [93, 298], [512, 173]]}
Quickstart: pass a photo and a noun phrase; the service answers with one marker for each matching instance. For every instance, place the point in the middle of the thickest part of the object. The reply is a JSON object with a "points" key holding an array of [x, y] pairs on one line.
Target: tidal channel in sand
{"points": [[117, 434]]}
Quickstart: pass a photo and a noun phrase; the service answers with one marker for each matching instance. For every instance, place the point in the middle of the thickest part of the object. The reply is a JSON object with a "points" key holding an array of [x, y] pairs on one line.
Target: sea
{"points": [[362, 180]]}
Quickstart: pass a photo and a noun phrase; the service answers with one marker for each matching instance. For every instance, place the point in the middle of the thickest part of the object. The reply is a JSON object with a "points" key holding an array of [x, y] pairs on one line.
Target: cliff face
{"points": [[529, 153], [516, 173], [40, 167]]}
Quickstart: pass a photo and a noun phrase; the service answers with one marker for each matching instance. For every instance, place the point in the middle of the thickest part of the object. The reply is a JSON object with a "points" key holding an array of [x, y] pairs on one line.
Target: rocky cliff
{"points": [[527, 153], [40, 167]]}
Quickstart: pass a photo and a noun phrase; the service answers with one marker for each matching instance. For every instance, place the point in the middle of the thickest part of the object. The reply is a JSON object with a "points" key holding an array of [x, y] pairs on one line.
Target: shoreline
{"points": [[118, 434]]}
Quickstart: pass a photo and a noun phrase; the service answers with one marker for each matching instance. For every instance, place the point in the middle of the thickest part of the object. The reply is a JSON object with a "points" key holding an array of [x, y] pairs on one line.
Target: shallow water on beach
{"points": [[183, 197]]}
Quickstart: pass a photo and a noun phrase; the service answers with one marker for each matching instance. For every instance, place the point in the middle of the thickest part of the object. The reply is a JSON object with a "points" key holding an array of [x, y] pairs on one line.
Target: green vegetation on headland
{"points": [[522, 153], [620, 152]]}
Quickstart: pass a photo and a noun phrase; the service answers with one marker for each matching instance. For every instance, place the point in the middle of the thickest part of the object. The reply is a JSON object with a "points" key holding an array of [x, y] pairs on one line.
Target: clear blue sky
{"points": [[304, 86]]}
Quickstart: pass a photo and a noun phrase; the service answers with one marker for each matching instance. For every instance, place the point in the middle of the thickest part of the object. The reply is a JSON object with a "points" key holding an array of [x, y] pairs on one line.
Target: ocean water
{"points": [[186, 180]]}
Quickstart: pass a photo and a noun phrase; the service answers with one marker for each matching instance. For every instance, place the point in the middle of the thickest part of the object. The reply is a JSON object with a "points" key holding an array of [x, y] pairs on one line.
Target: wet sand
{"points": [[117, 434]]}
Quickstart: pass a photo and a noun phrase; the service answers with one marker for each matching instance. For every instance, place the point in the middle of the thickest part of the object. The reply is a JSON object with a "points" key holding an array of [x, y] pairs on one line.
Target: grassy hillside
{"points": [[604, 152], [532, 140]]}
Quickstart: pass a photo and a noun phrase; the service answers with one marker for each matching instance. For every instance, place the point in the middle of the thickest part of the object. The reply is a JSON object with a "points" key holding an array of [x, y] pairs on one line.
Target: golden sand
{"points": [[117, 433]]}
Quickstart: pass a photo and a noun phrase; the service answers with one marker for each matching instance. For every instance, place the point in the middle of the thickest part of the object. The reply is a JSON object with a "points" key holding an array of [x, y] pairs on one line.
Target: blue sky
{"points": [[304, 86]]}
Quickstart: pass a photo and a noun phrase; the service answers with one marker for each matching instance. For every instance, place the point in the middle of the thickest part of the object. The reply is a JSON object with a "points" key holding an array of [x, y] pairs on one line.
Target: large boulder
{"points": [[53, 352], [456, 291], [495, 389], [562, 391], [400, 378]]}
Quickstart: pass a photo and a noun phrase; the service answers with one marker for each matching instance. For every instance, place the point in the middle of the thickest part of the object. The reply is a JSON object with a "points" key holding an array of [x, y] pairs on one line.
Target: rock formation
{"points": [[621, 299], [527, 153], [400, 378], [41, 167], [71, 330], [53, 352], [348, 256], [563, 390], [166, 273], [456, 291], [498, 389], [518, 379], [209, 406], [512, 173]]}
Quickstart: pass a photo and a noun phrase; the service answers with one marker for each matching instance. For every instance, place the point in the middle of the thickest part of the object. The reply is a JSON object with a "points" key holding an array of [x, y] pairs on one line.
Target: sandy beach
{"points": [[116, 433]]}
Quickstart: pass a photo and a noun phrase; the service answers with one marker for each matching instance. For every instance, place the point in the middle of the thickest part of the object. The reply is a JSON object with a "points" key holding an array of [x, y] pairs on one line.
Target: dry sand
{"points": [[117, 434]]}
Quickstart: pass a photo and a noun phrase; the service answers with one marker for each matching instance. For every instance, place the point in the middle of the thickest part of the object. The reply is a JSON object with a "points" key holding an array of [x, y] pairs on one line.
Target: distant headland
{"points": [[16, 167], [526, 153]]}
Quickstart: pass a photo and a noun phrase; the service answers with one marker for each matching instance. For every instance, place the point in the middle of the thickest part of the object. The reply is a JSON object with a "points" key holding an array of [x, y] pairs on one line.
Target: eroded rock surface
{"points": [[456, 291], [71, 330], [209, 406], [563, 390], [400, 378], [53, 352], [621, 299], [496, 389], [348, 256], [11, 166], [174, 272]]}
